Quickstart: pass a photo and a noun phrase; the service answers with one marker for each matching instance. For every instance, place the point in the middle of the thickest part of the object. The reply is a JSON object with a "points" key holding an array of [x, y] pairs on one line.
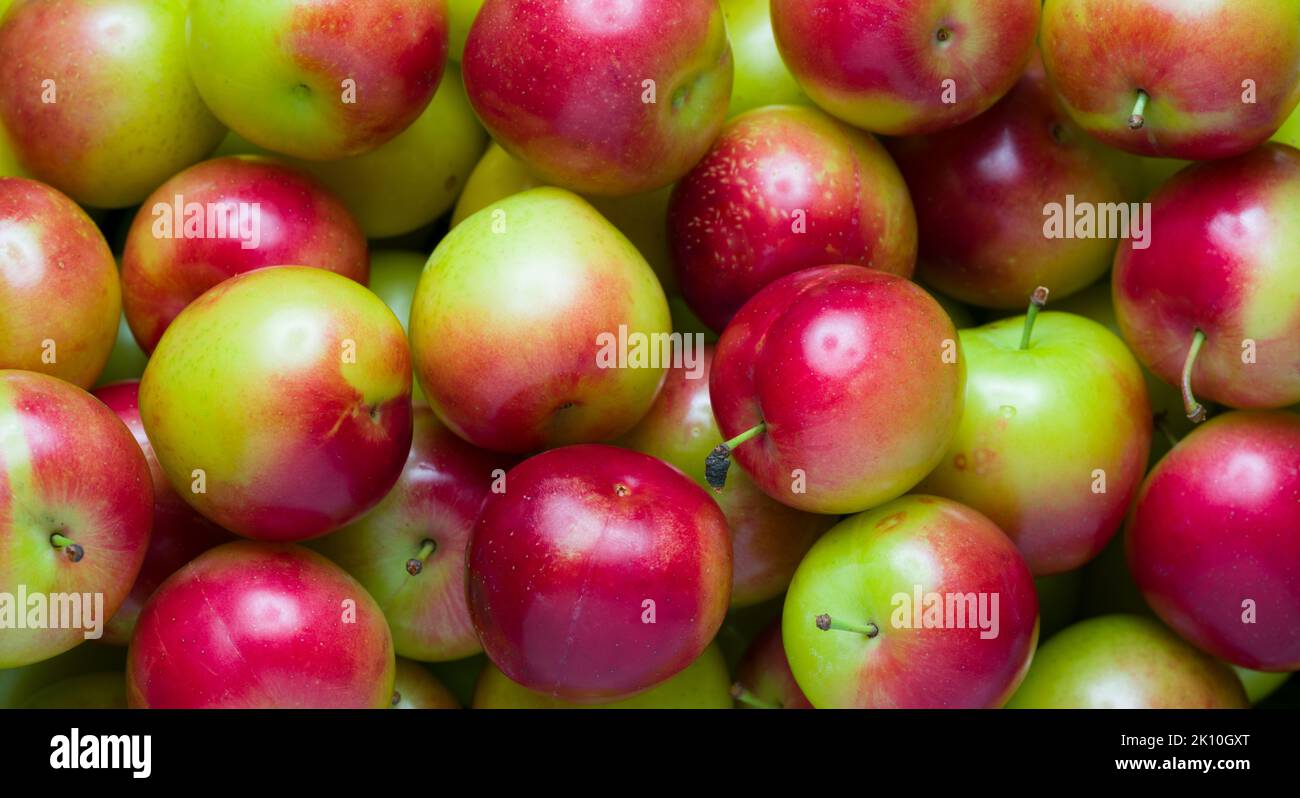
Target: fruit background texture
{"points": [[495, 354]]}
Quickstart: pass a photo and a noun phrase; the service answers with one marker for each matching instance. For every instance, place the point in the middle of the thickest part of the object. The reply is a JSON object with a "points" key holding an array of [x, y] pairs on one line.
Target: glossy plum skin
{"points": [[847, 367], [563, 568], [1217, 524], [53, 256], [179, 533], [1224, 259], [881, 64], [765, 672], [1190, 58], [561, 85], [980, 190], [437, 498], [302, 380], [49, 432], [855, 574], [260, 626], [1125, 662], [300, 224], [784, 188]]}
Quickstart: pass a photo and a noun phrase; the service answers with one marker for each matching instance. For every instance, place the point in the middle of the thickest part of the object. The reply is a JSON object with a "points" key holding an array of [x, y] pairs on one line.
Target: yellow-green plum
{"points": [[106, 690], [126, 360], [321, 79], [394, 274], [60, 295], [1054, 437], [704, 684], [461, 15], [515, 329], [411, 180], [761, 77], [279, 402], [1259, 684], [1125, 662], [17, 685], [97, 97], [643, 218], [1289, 133], [417, 688], [9, 166]]}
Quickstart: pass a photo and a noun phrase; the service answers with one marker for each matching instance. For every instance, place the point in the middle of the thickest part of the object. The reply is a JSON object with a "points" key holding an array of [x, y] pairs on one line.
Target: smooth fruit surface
{"points": [[904, 67], [508, 321], [65, 528], [603, 98], [966, 643], [1214, 542], [416, 688], [857, 377], [1053, 439], [53, 256], [785, 188], [1125, 662], [302, 381], [257, 625], [277, 217], [599, 573], [97, 98], [761, 77]]}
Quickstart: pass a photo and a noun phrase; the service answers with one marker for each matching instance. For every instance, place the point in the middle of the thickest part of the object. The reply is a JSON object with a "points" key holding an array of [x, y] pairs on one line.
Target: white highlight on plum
{"points": [[20, 255]]}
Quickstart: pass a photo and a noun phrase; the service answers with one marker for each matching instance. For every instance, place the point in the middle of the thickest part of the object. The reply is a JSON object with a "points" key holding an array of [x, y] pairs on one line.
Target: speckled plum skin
{"points": [[980, 190], [1190, 58], [301, 224], [1224, 259], [1217, 524], [50, 433], [289, 389], [261, 626], [179, 533], [765, 672], [53, 256], [437, 498], [846, 367], [768, 539], [561, 85], [854, 574], [563, 565], [784, 188], [881, 64]]}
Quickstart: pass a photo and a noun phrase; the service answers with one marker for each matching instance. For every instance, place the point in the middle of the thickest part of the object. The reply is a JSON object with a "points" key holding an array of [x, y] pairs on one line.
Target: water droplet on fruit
{"points": [[1007, 411]]}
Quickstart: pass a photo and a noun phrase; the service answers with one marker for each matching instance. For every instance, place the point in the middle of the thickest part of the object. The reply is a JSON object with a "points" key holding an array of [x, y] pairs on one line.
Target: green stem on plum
{"points": [[74, 550], [1161, 421], [826, 624], [1195, 410], [718, 462], [747, 698], [416, 564], [1137, 121], [1036, 303]]}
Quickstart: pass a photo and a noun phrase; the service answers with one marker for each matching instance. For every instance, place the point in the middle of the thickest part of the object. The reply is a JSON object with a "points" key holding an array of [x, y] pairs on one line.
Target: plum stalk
{"points": [[826, 623], [416, 564], [1137, 121], [747, 698], [718, 462], [1036, 303], [1195, 410], [74, 551]]}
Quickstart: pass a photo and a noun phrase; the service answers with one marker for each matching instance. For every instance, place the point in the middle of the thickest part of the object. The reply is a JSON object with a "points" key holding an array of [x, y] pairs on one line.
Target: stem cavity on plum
{"points": [[74, 551], [718, 462], [1036, 303], [1137, 121], [826, 624], [1195, 410], [415, 565]]}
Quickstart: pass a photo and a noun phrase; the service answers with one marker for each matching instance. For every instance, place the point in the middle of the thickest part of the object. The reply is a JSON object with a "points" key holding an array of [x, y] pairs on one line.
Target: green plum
{"points": [[704, 684], [126, 361], [1259, 684], [417, 688], [1125, 662], [394, 273], [1290, 130], [460, 15], [1054, 437], [459, 676], [761, 77], [17, 685], [105, 690]]}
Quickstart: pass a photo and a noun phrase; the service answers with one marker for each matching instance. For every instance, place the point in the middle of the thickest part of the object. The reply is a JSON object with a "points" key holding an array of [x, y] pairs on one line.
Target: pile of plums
{"points": [[770, 353]]}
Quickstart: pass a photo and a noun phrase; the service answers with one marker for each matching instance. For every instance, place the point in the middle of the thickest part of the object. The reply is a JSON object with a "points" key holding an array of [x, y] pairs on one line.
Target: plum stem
{"points": [[1161, 421], [416, 564], [747, 698], [1036, 303], [1195, 410], [74, 550], [718, 462], [1137, 121], [826, 624]]}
